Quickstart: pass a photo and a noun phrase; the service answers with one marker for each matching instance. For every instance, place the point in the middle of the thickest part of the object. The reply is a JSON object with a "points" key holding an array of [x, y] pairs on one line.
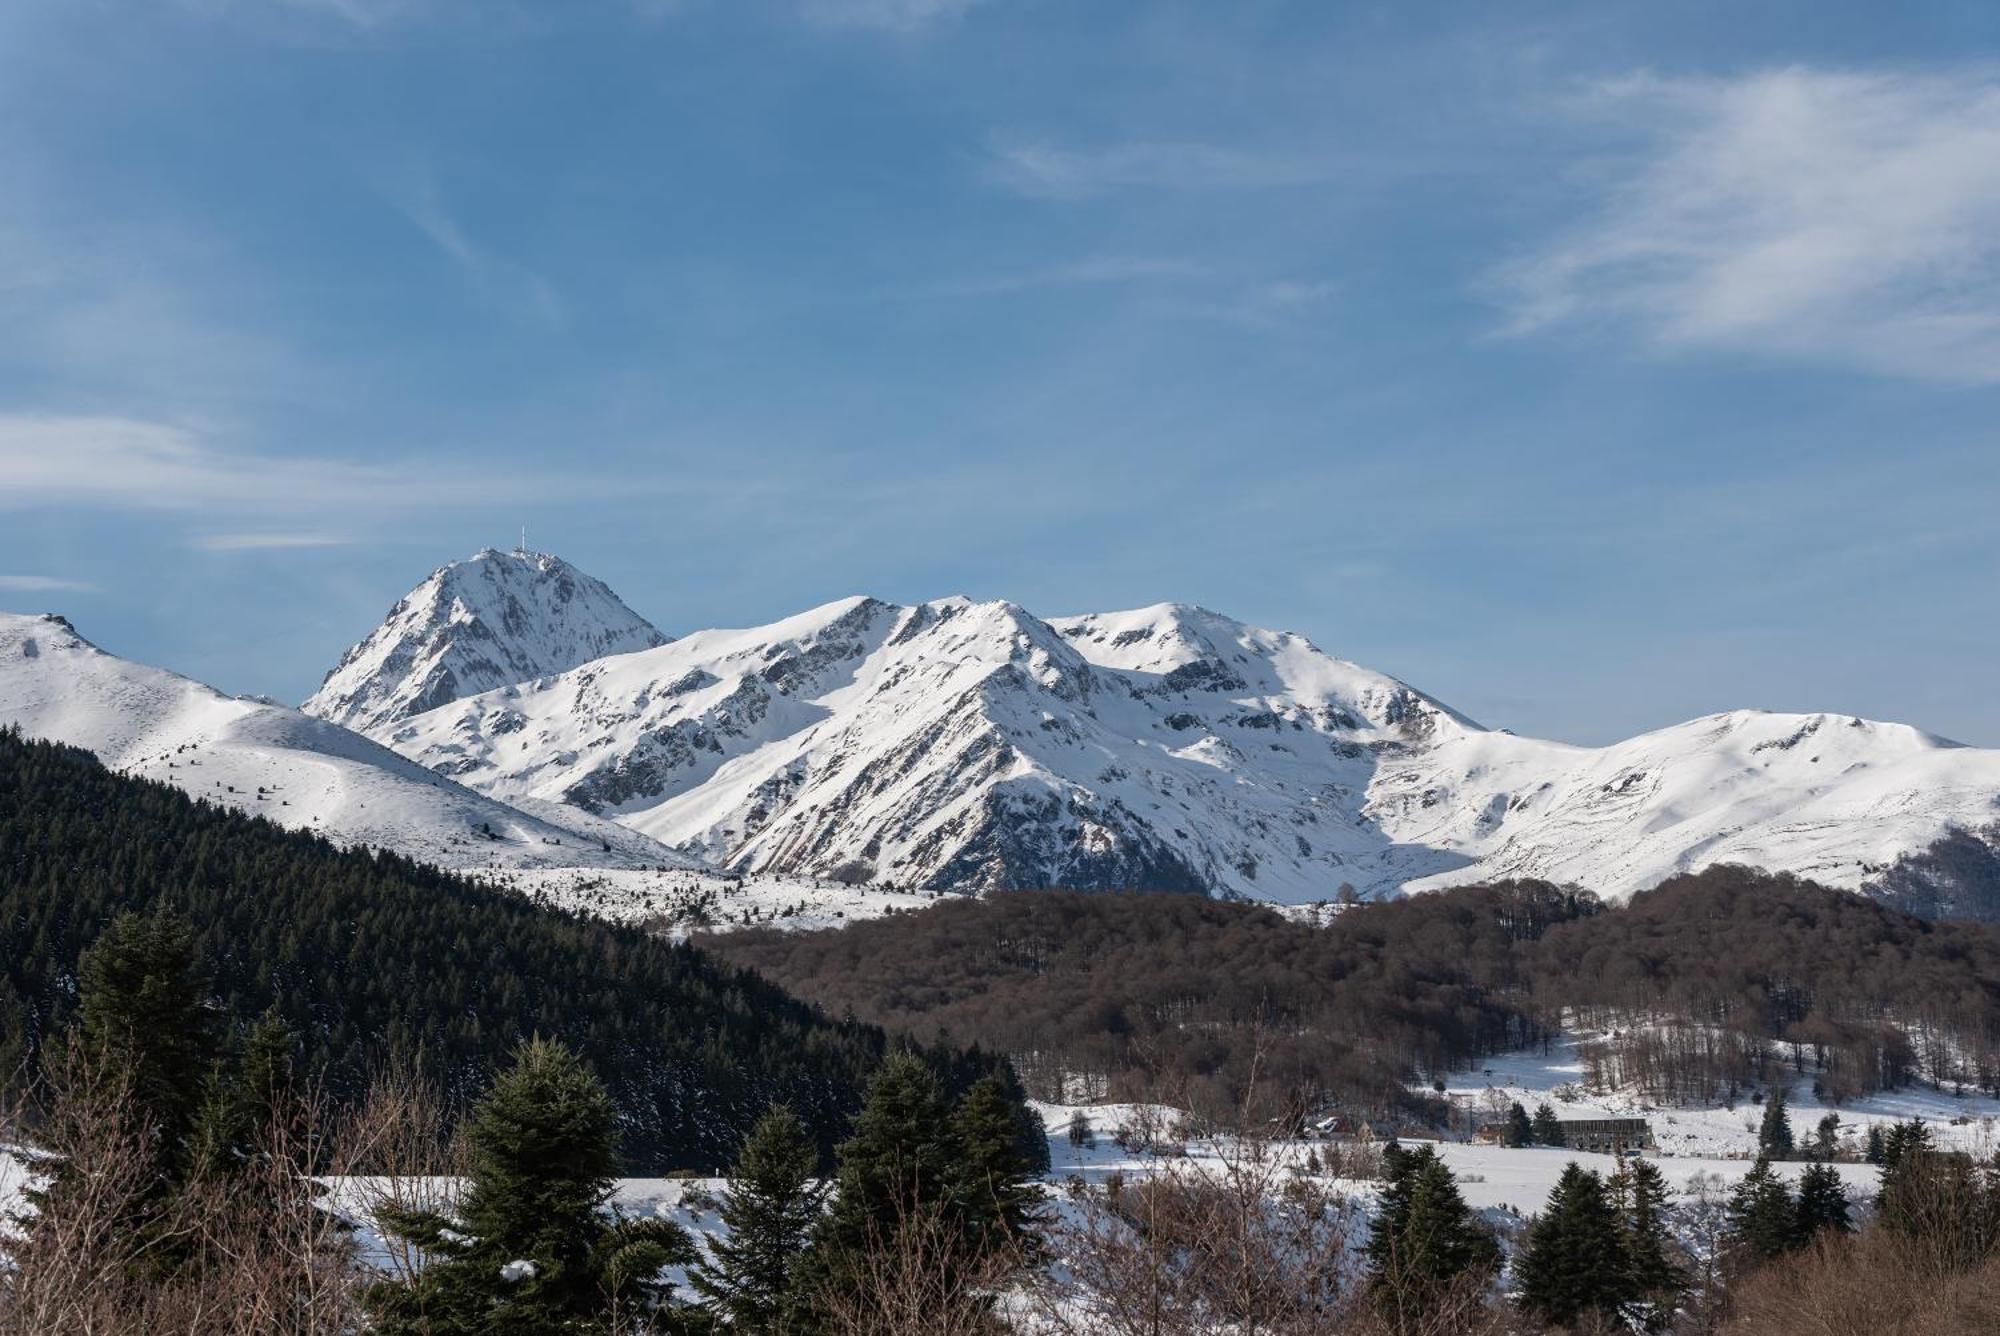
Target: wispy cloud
{"points": [[37, 584], [132, 463], [266, 542], [1851, 218], [895, 15], [1037, 168], [512, 286]]}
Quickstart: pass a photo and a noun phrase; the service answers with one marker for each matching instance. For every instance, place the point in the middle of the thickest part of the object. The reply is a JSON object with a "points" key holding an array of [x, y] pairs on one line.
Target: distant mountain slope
{"points": [[972, 745], [276, 762], [492, 620]]}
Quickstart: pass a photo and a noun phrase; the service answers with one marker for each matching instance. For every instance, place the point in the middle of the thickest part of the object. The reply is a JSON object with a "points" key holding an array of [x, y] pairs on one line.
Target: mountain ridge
{"points": [[273, 761], [971, 745]]}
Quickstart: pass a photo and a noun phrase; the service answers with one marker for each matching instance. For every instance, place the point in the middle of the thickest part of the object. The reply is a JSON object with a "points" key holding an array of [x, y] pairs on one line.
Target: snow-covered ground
{"points": [[1969, 1122], [270, 761], [679, 902]]}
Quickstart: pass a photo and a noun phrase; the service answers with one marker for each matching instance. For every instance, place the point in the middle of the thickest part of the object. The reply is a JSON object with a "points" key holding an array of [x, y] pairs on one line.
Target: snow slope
{"points": [[275, 762], [972, 746], [492, 620]]}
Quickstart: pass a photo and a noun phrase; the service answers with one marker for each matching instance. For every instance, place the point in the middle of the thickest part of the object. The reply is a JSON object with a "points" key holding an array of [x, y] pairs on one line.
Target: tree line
{"points": [[1701, 989]]}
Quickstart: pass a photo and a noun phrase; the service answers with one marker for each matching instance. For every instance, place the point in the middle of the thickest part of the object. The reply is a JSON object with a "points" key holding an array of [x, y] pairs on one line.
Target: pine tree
{"points": [[1774, 1135], [1081, 1134], [1423, 1238], [529, 1249], [143, 1020], [770, 1208], [244, 1096], [996, 1188], [1874, 1151], [1575, 1261], [1827, 1138], [899, 1167], [1520, 1130], [1639, 1191], [1763, 1218], [1548, 1129], [1822, 1203]]}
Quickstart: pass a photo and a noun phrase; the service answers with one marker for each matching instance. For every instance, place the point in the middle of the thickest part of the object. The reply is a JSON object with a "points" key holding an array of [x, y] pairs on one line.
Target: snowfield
{"points": [[974, 746], [274, 762]]}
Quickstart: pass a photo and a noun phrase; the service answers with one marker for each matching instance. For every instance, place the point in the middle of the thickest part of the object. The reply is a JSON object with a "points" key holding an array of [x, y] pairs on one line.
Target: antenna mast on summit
{"points": [[523, 548]]}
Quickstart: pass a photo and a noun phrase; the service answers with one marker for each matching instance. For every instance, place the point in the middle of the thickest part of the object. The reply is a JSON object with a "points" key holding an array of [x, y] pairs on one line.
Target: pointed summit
{"points": [[492, 620]]}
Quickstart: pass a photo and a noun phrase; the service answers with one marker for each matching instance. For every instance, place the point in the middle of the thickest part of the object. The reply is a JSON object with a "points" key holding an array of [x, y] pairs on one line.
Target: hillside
{"points": [[1706, 987], [295, 770], [370, 955]]}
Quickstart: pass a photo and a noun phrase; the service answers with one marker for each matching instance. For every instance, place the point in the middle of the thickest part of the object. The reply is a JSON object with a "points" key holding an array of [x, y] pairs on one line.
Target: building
{"points": [[1609, 1136]]}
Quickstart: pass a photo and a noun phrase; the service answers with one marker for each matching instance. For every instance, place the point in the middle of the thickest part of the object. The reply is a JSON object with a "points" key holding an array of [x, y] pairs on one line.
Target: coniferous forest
{"points": [[370, 960]]}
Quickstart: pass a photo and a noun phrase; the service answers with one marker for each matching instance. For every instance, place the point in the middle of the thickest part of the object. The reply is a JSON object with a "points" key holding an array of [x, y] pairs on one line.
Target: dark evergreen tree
{"points": [[900, 1167], [1822, 1202], [1654, 1281], [142, 1018], [1873, 1155], [245, 1096], [1423, 1237], [1826, 1140], [997, 1192], [1903, 1139], [530, 1249], [1548, 1128], [1774, 1134], [772, 1202], [1763, 1218], [1520, 1130], [1574, 1262]]}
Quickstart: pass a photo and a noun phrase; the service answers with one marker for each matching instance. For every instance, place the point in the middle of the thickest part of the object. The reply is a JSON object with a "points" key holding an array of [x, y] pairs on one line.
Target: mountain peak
{"points": [[494, 619]]}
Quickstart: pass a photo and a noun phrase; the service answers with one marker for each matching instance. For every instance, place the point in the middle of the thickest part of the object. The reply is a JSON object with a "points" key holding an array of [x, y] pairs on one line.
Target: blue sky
{"points": [[1590, 366]]}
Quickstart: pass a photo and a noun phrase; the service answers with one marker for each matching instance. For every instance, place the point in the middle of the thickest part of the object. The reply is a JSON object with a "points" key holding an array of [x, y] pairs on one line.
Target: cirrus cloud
{"points": [[1844, 217]]}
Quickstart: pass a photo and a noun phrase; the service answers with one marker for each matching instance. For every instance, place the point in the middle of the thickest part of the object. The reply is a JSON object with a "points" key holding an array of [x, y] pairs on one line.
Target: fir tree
{"points": [[1423, 1238], [997, 1191], [1873, 1155], [1575, 1261], [1520, 1130], [142, 1019], [245, 1097], [1763, 1218], [529, 1249], [1774, 1135], [1548, 1129], [1822, 1203], [1639, 1192], [899, 1166], [1827, 1138], [770, 1207]]}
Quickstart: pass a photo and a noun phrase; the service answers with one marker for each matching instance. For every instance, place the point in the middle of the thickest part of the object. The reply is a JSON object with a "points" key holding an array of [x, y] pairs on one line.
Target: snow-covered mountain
{"points": [[275, 762], [492, 620], [973, 745]]}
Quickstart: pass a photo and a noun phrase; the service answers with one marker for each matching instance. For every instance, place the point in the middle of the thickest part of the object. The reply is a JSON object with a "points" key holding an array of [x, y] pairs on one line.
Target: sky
{"points": [[1589, 366]]}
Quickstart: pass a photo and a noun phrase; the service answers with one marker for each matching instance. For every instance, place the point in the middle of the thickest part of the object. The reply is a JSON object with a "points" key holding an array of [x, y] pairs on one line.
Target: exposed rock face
{"points": [[490, 621], [970, 745]]}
